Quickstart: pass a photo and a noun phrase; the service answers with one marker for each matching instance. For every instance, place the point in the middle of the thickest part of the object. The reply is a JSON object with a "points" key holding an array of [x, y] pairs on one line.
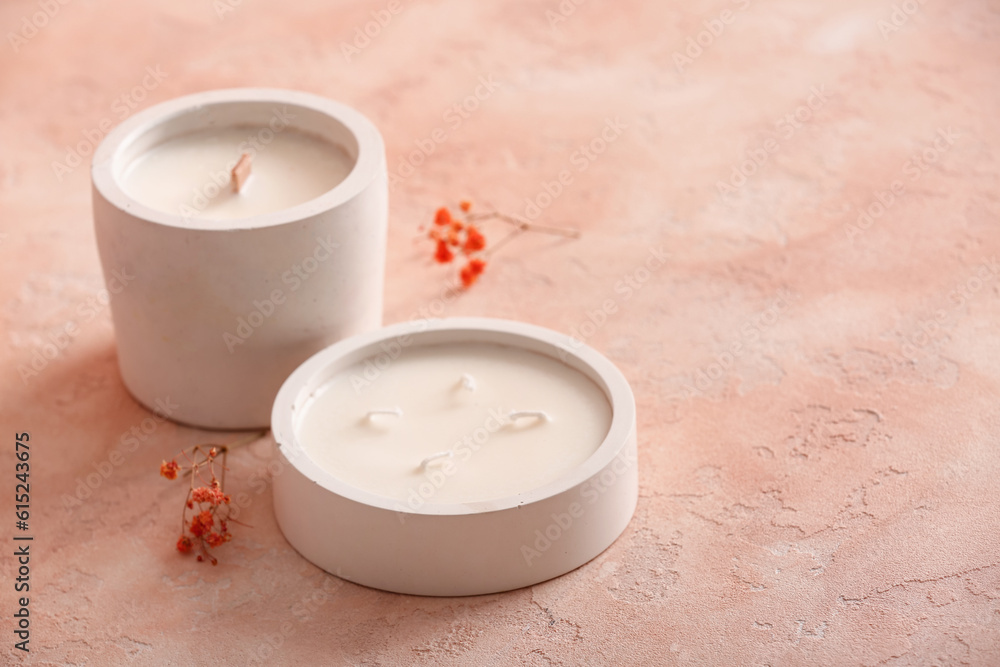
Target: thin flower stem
{"points": [[511, 235], [184, 511], [451, 237], [222, 481], [524, 225], [558, 231], [200, 530], [245, 440]]}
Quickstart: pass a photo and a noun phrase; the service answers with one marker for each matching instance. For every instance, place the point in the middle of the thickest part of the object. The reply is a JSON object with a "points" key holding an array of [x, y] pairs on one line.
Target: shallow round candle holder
{"points": [[212, 315], [470, 548]]}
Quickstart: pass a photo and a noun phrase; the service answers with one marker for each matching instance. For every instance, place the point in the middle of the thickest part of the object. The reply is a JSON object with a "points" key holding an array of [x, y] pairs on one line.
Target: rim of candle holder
{"points": [[310, 377], [110, 160]]}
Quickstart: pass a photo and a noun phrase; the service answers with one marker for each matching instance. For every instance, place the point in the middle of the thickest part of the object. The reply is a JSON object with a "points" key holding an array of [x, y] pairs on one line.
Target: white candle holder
{"points": [[455, 549], [193, 281]]}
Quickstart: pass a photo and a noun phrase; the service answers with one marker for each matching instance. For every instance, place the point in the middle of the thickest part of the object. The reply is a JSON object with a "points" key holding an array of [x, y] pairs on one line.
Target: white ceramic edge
{"points": [[367, 167], [452, 549]]}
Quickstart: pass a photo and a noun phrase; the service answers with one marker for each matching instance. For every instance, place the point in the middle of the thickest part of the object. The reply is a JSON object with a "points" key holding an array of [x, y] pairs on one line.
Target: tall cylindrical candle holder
{"points": [[219, 296]]}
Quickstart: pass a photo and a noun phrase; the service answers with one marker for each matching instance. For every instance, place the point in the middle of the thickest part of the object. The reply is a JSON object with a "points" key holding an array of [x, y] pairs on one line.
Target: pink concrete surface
{"points": [[818, 416]]}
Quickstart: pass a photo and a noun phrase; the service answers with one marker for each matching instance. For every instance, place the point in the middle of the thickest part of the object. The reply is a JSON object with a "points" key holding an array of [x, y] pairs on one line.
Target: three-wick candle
{"points": [[454, 457]]}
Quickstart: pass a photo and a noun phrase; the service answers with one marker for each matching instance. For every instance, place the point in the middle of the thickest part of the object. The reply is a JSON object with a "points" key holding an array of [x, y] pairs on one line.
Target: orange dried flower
{"points": [[213, 496], [201, 523], [207, 506], [169, 469], [443, 255], [442, 217], [215, 539], [470, 272], [449, 233], [474, 240], [202, 494]]}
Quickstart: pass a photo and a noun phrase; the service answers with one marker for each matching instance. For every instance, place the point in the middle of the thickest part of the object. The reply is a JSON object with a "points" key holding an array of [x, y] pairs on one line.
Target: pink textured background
{"points": [[829, 498]]}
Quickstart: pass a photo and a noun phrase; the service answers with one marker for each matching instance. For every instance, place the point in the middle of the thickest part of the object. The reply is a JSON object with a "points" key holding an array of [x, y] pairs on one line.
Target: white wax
{"points": [[189, 175], [492, 456]]}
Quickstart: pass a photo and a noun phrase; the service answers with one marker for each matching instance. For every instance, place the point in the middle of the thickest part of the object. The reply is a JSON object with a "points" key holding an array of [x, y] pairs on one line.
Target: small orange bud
{"points": [[201, 523], [442, 217], [474, 241], [470, 272], [443, 254], [169, 469]]}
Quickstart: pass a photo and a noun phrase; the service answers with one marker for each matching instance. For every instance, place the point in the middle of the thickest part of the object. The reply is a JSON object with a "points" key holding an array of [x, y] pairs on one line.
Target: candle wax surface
{"points": [[493, 457], [189, 175]]}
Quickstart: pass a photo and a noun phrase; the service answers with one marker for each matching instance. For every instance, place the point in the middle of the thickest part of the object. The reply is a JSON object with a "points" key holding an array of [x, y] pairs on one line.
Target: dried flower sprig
{"points": [[206, 516], [464, 236]]}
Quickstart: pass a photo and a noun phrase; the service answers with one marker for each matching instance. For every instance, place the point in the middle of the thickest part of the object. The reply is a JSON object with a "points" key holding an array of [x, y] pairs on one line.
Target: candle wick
{"points": [[436, 457], [240, 172], [525, 414], [395, 412], [468, 382]]}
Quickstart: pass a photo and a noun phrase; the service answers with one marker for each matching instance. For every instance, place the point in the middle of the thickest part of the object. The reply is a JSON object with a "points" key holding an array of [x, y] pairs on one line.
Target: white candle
{"points": [[229, 292], [189, 175], [498, 421], [394, 472]]}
